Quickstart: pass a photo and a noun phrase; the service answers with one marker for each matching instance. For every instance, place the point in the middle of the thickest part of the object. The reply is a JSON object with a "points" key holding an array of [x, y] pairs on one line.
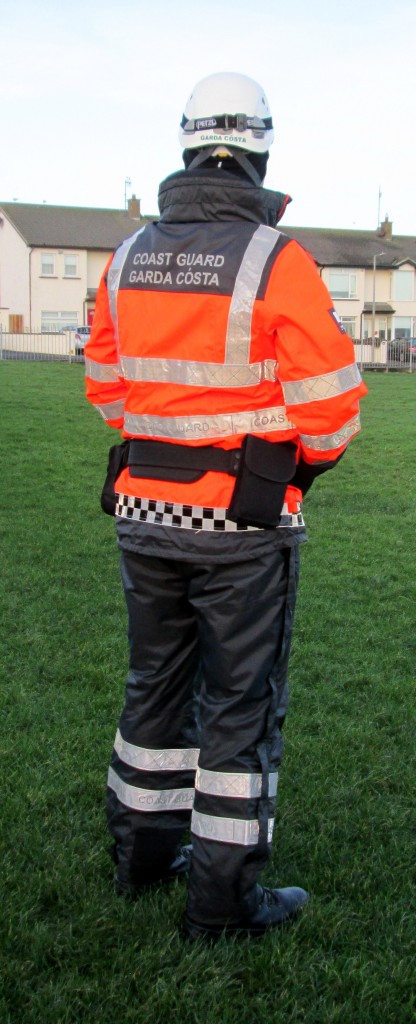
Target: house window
{"points": [[343, 284], [403, 285], [47, 264], [58, 320], [402, 327], [350, 323], [70, 266]]}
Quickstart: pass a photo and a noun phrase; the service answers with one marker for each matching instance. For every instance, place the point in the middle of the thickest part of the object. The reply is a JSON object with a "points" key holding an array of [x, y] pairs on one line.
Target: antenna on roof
{"points": [[379, 203], [127, 182]]}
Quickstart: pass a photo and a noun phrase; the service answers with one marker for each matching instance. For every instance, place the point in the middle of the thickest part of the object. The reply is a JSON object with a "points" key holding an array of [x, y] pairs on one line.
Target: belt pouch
{"points": [[265, 470], [117, 460]]}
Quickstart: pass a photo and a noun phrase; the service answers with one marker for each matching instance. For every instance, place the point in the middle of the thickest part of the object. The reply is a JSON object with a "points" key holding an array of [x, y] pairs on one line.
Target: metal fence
{"points": [[61, 346], [399, 354]]}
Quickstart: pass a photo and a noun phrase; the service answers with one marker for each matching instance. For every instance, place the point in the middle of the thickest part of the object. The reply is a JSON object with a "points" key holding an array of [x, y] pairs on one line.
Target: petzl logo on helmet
{"points": [[208, 122]]}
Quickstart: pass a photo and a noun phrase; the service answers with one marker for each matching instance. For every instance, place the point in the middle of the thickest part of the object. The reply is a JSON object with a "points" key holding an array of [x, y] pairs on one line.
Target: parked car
{"points": [[81, 336]]}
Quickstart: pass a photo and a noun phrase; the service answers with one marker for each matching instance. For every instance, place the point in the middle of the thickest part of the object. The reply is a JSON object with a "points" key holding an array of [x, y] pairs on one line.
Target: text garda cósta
{"points": [[166, 268]]}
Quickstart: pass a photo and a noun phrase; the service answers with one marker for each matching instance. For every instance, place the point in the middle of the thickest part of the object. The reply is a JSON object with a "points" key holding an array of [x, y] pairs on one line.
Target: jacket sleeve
{"points": [[320, 379], [105, 388]]}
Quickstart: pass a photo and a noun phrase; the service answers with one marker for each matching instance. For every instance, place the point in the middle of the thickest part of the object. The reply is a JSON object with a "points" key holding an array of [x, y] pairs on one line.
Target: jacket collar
{"points": [[191, 196]]}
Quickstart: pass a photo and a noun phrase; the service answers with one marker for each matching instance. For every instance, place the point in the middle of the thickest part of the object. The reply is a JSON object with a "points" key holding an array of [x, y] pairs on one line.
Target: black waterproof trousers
{"points": [[199, 739]]}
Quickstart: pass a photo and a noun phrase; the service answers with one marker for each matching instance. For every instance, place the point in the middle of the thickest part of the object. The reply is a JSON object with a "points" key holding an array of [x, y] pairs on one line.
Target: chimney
{"points": [[134, 208], [386, 229]]}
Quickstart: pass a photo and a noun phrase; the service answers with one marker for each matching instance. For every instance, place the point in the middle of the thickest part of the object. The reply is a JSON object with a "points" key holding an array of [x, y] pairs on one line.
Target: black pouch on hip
{"points": [[265, 470], [117, 460]]}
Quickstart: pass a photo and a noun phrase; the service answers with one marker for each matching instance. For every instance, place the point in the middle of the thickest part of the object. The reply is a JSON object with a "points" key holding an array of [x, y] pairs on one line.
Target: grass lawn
{"points": [[70, 950]]}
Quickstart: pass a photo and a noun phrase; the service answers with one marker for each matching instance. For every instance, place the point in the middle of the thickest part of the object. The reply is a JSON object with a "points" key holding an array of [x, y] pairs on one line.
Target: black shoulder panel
{"points": [[198, 257]]}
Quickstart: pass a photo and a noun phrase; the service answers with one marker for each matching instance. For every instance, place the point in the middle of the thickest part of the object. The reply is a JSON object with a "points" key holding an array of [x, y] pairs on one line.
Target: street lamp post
{"points": [[373, 324]]}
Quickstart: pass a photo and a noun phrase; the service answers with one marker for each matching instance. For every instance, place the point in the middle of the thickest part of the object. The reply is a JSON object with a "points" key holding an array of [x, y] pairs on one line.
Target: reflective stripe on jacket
{"points": [[208, 328]]}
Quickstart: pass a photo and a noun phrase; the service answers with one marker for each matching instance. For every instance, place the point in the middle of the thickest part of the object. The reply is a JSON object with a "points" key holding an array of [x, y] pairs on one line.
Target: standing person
{"points": [[216, 350]]}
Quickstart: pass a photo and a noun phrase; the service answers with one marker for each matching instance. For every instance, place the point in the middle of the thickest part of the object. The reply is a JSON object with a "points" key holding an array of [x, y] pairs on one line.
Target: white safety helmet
{"points": [[227, 109]]}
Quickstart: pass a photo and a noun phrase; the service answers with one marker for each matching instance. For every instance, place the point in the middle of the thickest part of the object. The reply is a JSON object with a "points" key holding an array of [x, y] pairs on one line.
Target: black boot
{"points": [[178, 868], [274, 907]]}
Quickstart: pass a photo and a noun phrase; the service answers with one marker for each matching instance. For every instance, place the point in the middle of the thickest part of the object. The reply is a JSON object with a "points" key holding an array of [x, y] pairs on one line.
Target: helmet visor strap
{"points": [[246, 165], [194, 158], [199, 156]]}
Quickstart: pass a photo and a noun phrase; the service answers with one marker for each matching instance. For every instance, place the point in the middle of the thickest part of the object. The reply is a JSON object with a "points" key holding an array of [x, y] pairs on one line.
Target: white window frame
{"points": [[350, 322], [67, 264], [54, 320], [403, 323], [350, 277], [47, 259], [399, 277]]}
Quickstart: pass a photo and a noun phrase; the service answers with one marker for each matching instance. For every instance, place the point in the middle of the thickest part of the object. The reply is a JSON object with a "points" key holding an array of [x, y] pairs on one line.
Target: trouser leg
{"points": [[151, 777], [245, 612]]}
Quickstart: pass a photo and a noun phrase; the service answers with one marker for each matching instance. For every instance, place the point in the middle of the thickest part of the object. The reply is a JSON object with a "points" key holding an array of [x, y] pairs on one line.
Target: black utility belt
{"points": [[262, 470], [160, 460]]}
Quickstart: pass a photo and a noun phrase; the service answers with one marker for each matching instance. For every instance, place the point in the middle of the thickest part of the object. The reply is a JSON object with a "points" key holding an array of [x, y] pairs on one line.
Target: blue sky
{"points": [[92, 92]]}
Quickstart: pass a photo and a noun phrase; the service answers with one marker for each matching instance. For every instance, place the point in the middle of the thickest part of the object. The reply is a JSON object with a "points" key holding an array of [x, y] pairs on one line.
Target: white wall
{"points": [[14, 273], [58, 293], [95, 266]]}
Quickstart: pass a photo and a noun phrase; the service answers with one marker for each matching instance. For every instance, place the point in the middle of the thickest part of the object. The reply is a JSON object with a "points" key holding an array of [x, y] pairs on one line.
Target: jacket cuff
{"points": [[306, 472]]}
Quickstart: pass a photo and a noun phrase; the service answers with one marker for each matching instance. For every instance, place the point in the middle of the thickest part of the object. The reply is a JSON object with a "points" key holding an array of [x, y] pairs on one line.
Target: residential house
{"points": [[371, 276], [52, 258], [51, 261]]}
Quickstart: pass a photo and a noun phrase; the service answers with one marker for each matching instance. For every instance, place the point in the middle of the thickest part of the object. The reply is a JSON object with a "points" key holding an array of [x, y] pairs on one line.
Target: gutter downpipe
{"points": [[30, 289], [361, 339], [373, 325]]}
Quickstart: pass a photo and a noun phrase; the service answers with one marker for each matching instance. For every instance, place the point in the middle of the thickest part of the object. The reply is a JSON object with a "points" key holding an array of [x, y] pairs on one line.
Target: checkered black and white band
{"points": [[191, 517]]}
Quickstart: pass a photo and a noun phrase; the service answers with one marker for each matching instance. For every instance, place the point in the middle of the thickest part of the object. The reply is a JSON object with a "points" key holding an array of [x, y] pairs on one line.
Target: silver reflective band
{"points": [[243, 785], [111, 410], [329, 385], [260, 421], [104, 373], [114, 274], [193, 374], [143, 759], [238, 340], [241, 832], [326, 442], [150, 799]]}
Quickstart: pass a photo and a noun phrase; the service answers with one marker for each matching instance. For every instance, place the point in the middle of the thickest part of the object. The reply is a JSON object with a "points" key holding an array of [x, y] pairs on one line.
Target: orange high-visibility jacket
{"points": [[211, 324]]}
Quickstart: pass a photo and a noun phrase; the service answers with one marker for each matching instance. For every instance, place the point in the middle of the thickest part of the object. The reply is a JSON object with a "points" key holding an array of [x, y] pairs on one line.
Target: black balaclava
{"points": [[251, 166]]}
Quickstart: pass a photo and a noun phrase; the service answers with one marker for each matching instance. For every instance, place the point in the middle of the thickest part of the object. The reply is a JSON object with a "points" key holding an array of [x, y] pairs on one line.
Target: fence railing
{"points": [[49, 345], [41, 345], [399, 354]]}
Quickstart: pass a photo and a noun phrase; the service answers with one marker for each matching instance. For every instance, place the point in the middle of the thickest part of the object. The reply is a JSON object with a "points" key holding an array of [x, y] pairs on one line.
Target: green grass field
{"points": [[70, 950]]}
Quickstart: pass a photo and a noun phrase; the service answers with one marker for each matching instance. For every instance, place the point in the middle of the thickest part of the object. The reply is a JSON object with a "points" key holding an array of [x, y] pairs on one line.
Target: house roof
{"points": [[89, 228], [332, 247], [74, 227]]}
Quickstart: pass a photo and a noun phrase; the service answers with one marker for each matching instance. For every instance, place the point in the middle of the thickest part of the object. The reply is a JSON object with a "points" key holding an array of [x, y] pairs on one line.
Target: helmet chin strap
{"points": [[202, 155]]}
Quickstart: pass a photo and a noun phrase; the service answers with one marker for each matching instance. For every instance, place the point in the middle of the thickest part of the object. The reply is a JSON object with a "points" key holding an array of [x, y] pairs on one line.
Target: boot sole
{"points": [[193, 932]]}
